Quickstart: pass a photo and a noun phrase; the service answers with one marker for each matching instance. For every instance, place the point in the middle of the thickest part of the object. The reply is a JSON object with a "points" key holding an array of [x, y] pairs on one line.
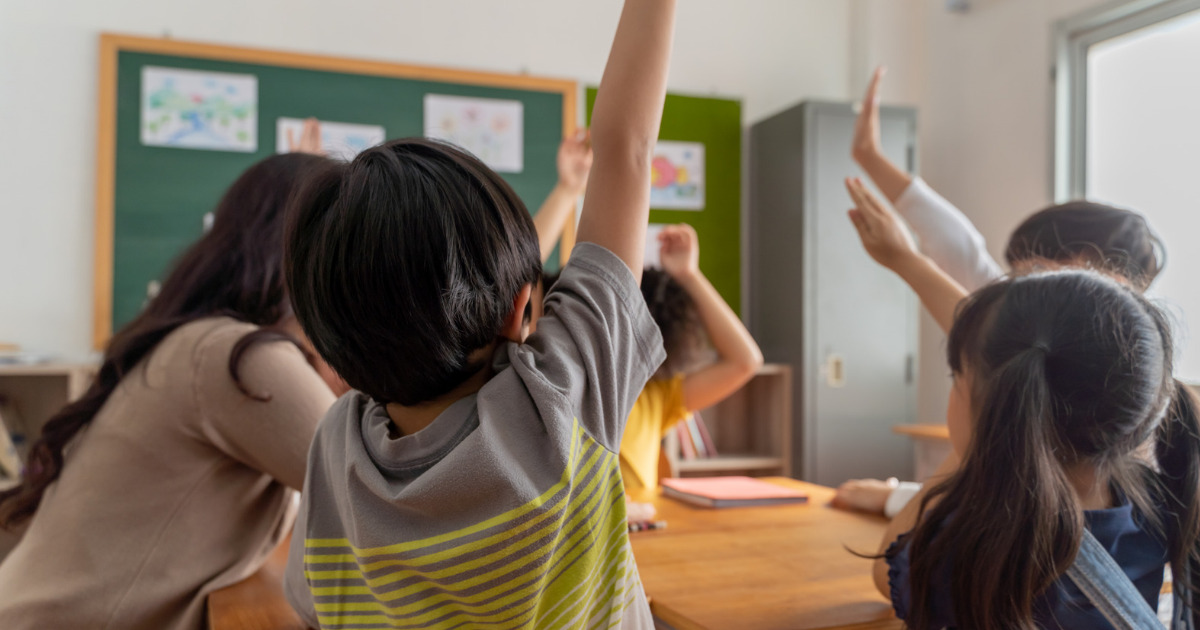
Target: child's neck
{"points": [[408, 420], [1093, 491]]}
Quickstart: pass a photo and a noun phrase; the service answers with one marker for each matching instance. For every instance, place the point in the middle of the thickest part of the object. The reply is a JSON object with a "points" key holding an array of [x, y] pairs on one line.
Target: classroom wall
{"points": [[982, 83], [769, 52]]}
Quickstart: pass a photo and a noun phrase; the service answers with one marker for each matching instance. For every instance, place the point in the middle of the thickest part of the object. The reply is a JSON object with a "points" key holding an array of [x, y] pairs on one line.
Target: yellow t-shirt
{"points": [[658, 408]]}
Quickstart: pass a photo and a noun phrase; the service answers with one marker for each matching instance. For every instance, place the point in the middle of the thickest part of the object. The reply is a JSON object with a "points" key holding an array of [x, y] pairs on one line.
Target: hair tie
{"points": [[1041, 346]]}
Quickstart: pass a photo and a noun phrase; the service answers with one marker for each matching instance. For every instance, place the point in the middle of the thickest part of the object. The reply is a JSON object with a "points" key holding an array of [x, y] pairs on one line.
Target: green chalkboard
{"points": [[717, 124], [159, 195]]}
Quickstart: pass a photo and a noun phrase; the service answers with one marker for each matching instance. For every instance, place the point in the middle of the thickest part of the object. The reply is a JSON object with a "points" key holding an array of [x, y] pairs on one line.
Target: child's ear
{"points": [[514, 324]]}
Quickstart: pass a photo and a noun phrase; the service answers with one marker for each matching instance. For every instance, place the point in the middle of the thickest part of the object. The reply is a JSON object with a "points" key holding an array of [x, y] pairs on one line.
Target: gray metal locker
{"points": [[817, 301]]}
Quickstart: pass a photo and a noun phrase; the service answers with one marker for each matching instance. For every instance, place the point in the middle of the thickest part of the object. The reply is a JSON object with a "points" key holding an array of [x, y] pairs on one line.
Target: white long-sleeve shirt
{"points": [[947, 236]]}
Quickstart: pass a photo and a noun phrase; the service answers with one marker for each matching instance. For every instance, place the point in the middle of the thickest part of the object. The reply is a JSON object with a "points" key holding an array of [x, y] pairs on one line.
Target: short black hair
{"points": [[1113, 240], [405, 262]]}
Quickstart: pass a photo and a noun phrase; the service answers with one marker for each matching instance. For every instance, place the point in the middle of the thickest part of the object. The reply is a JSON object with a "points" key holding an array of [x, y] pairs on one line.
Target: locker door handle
{"points": [[835, 371], [910, 370]]}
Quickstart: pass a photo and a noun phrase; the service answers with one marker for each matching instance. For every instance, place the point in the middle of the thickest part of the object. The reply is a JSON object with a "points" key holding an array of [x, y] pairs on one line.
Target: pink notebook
{"points": [[719, 492]]}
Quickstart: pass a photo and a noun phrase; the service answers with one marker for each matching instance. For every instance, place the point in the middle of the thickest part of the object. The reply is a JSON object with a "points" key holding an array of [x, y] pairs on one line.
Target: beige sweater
{"points": [[177, 488]]}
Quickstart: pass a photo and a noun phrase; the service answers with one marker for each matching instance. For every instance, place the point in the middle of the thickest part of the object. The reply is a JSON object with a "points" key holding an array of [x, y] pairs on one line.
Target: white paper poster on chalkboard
{"points": [[186, 109], [492, 129], [341, 141], [677, 176], [653, 255]]}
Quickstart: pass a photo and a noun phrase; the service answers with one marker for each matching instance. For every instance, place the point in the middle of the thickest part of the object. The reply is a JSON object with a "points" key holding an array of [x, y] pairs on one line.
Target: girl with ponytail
{"points": [[1064, 417], [170, 477]]}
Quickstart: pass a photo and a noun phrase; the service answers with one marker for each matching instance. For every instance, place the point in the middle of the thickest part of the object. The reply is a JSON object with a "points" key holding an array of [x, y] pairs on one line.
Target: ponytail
{"points": [[1019, 499], [1177, 451]]}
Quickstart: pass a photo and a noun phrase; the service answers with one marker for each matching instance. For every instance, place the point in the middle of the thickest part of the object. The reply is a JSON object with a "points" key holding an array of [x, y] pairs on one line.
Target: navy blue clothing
{"points": [[1123, 532]]}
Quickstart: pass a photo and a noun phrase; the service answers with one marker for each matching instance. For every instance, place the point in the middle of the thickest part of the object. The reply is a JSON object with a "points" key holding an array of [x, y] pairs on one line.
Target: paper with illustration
{"points": [[677, 176], [339, 140], [492, 129], [188, 109]]}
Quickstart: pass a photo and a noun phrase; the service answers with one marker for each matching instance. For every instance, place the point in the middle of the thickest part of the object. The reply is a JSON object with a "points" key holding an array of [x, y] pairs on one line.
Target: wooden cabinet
{"points": [[31, 394], [751, 430]]}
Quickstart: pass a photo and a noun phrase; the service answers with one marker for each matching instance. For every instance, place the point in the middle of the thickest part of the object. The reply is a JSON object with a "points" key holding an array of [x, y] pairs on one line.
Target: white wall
{"points": [[982, 82], [771, 53]]}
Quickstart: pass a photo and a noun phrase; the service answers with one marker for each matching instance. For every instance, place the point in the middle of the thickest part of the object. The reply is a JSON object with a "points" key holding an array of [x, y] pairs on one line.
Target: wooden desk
{"points": [[744, 568], [257, 602], [771, 567], [931, 446]]}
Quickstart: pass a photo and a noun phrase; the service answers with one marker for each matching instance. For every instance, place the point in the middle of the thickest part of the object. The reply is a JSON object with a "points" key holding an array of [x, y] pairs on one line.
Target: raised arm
{"points": [[867, 147], [625, 124], [574, 164], [738, 356], [946, 235], [885, 239]]}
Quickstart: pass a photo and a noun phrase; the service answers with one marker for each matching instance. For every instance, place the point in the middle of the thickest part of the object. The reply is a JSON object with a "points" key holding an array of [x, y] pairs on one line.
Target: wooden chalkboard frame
{"points": [[111, 45]]}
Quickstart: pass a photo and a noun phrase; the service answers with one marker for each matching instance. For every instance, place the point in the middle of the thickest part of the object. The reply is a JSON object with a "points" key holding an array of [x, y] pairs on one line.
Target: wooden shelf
{"points": [[751, 430], [47, 369], [923, 431], [730, 462]]}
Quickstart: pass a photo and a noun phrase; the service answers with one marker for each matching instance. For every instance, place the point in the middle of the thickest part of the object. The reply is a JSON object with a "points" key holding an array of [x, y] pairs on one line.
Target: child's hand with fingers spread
{"points": [[883, 234], [679, 251], [310, 138], [575, 162]]}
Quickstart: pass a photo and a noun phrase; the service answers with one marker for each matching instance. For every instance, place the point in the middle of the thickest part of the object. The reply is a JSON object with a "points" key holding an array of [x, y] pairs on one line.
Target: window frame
{"points": [[1073, 37]]}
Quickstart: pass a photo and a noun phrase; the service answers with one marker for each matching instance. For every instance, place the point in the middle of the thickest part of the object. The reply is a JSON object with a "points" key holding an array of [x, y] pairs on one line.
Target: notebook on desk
{"points": [[722, 492]]}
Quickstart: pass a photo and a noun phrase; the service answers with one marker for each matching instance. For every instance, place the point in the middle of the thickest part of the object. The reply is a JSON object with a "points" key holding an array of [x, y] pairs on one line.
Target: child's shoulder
{"points": [[591, 260]]}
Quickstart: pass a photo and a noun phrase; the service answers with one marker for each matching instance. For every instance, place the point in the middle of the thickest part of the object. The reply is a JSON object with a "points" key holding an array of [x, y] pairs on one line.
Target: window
{"points": [[1128, 133]]}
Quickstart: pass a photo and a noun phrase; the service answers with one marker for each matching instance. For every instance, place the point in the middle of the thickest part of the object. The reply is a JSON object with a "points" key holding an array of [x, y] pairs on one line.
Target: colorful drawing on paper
{"points": [[341, 141], [187, 109], [492, 129], [677, 176]]}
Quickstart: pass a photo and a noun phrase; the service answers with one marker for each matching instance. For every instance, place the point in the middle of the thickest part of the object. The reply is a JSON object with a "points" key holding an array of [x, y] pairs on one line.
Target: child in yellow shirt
{"points": [[687, 308]]}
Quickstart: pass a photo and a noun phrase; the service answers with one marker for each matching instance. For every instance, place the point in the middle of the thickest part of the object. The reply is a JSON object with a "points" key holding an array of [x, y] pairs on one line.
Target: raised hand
{"points": [[866, 144], [679, 251], [866, 495], [887, 241], [575, 162], [882, 232], [310, 138]]}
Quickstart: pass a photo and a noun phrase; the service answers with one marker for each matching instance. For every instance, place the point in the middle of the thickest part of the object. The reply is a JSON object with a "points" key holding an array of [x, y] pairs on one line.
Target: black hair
{"points": [[684, 337], [405, 262], [1110, 239], [1066, 368], [235, 270]]}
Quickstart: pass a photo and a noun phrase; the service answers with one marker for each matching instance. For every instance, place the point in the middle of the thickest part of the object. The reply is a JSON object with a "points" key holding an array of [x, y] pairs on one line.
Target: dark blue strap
{"points": [[1103, 582]]}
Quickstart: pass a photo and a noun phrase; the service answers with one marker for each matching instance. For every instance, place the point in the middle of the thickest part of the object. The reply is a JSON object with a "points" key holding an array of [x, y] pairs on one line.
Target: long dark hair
{"points": [[1110, 239], [234, 270], [1066, 368]]}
